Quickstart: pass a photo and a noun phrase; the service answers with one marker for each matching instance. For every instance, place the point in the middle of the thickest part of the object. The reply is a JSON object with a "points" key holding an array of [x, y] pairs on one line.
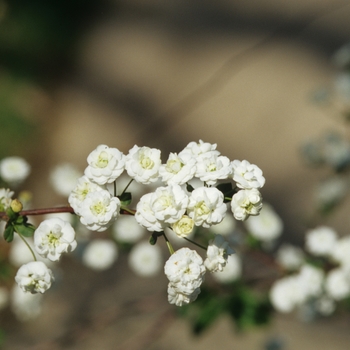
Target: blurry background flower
{"points": [[146, 260], [100, 254]]}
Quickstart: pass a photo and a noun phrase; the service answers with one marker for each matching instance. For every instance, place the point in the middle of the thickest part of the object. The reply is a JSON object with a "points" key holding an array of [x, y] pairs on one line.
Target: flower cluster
{"points": [[194, 190], [323, 285]]}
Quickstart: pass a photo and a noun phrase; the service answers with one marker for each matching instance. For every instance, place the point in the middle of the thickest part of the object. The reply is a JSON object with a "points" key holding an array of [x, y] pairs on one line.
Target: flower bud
{"points": [[184, 226], [16, 205]]}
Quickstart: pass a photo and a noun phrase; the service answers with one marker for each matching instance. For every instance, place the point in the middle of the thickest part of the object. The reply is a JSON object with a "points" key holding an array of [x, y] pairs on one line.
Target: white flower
{"points": [[183, 227], [185, 270], [246, 175], [5, 198], [290, 257], [232, 270], [286, 294], [178, 169], [321, 240], [145, 260], [99, 210], [325, 305], [63, 178], [100, 254], [310, 281], [225, 227], [245, 203], [195, 149], [145, 215], [341, 251], [83, 187], [14, 170], [127, 230], [34, 277], [25, 306], [105, 164], [217, 254], [143, 163], [267, 226], [337, 284], [4, 297], [175, 296], [206, 206], [211, 168], [54, 237], [331, 191], [169, 203]]}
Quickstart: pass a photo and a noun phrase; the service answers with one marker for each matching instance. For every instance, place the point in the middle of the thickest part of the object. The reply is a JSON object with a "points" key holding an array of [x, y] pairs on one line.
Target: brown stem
{"points": [[54, 210]]}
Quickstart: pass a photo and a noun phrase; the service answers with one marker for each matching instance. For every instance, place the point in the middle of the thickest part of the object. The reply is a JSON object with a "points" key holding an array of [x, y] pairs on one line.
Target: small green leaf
{"points": [[26, 230], [8, 233]]}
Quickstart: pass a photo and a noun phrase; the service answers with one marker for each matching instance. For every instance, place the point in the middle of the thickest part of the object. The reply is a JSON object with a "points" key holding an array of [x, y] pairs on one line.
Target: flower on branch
{"points": [[143, 163], [5, 198], [245, 203], [185, 271], [178, 169], [246, 175], [99, 210], [34, 277], [183, 227], [54, 237], [105, 164], [217, 254], [83, 187], [206, 206], [212, 167]]}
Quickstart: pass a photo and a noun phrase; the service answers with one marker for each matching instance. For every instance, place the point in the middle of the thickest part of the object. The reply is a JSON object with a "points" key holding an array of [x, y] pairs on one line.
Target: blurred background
{"points": [[76, 74]]}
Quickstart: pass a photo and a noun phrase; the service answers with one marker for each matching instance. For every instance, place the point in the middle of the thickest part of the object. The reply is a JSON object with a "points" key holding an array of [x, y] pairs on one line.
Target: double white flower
{"points": [[166, 205], [34, 277], [246, 175], [105, 164], [54, 237], [185, 271], [178, 169], [212, 167], [143, 163], [245, 203], [99, 210], [83, 187], [217, 254], [206, 206]]}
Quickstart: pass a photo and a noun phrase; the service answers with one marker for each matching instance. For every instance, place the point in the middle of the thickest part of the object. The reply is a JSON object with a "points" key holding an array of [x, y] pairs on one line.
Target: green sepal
{"points": [[8, 233], [189, 188], [125, 198], [26, 230], [153, 238], [227, 190]]}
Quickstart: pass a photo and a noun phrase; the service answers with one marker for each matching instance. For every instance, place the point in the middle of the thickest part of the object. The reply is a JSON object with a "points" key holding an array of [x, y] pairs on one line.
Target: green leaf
{"points": [[8, 233], [26, 230], [125, 198]]}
